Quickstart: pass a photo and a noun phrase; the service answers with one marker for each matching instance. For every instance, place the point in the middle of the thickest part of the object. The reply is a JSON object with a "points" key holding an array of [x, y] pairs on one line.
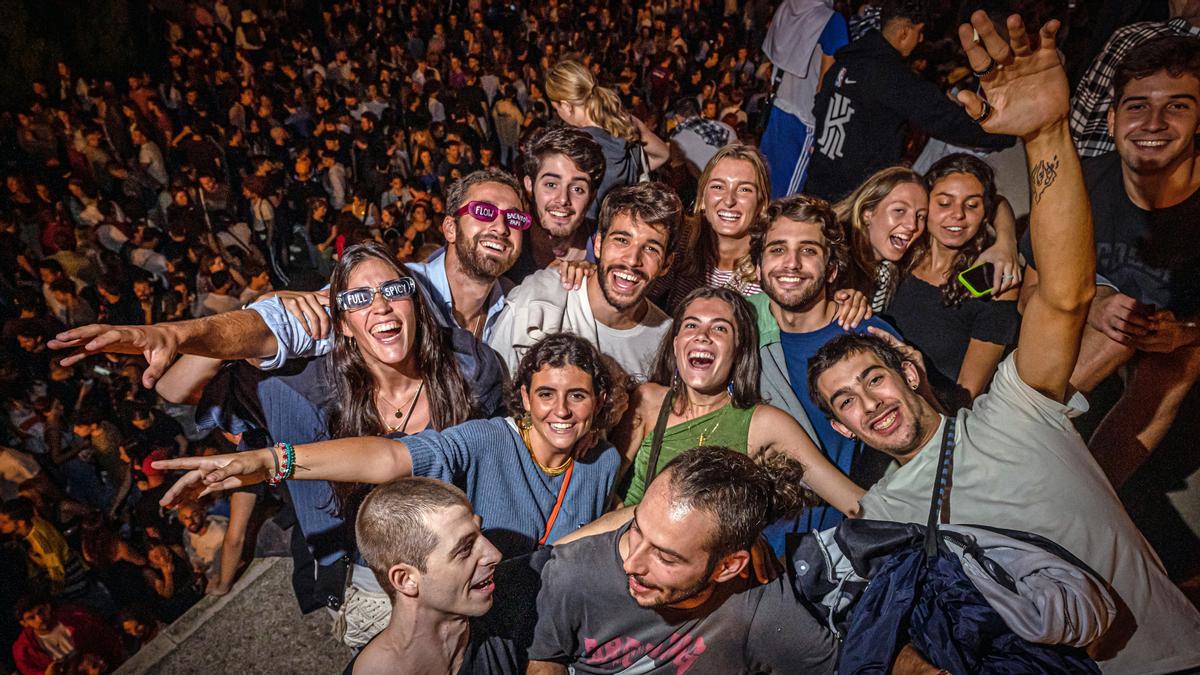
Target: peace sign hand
{"points": [[1026, 89]]}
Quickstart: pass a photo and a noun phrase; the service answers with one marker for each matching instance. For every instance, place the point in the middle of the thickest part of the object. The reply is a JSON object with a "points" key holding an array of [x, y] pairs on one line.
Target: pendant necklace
{"points": [[400, 414]]}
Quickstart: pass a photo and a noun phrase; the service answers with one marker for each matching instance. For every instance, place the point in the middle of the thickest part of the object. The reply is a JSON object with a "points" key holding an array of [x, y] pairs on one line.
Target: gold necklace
{"points": [[704, 435], [399, 414], [707, 433], [524, 424]]}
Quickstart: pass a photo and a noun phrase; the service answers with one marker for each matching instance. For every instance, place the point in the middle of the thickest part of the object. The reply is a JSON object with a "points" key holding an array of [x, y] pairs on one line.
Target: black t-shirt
{"points": [[1151, 256], [943, 333], [586, 618], [499, 639]]}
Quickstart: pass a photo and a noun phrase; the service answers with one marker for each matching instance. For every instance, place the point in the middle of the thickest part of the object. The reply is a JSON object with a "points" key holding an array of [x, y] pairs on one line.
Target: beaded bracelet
{"points": [[287, 466]]}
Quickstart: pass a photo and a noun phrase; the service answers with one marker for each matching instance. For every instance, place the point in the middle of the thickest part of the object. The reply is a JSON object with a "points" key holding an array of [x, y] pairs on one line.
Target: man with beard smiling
{"points": [[463, 283], [800, 250], [637, 226], [563, 167], [1146, 201], [1017, 461]]}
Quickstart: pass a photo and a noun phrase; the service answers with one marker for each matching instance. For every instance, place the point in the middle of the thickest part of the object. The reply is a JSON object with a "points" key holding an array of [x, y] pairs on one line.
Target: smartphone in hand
{"points": [[978, 279]]}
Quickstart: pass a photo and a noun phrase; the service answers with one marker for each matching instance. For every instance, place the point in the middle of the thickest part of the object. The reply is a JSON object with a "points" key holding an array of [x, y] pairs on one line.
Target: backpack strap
{"points": [[939, 487]]}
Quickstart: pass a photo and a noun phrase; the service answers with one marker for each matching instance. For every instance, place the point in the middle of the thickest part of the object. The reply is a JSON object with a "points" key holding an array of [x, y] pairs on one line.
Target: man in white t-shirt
{"points": [[1018, 463], [637, 226]]}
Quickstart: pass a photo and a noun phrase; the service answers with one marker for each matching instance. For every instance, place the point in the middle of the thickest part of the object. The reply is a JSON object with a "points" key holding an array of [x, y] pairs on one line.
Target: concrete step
{"points": [[256, 628]]}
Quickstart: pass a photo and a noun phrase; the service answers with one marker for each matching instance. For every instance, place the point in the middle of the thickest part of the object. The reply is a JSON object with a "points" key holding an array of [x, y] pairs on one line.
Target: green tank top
{"points": [[727, 426]]}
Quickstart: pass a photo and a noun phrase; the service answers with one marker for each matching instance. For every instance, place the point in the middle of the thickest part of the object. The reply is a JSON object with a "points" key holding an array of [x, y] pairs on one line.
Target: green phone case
{"points": [[975, 293]]}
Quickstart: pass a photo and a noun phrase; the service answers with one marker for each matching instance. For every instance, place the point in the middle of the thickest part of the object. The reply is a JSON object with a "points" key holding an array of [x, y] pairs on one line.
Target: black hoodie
{"points": [[865, 101]]}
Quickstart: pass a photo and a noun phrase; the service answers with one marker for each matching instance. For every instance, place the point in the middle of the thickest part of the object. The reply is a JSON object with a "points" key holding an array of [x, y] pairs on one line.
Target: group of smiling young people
{"points": [[573, 400]]}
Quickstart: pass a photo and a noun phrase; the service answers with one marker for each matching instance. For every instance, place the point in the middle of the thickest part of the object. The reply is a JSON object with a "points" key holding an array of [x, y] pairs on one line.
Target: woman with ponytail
{"points": [[631, 150]]}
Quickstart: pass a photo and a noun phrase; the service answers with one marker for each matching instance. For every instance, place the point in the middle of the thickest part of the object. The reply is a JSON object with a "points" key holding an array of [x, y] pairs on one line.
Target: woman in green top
{"points": [[709, 365]]}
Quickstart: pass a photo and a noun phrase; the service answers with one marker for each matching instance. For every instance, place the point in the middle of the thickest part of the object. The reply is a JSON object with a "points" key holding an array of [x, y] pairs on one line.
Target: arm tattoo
{"points": [[1042, 177]]}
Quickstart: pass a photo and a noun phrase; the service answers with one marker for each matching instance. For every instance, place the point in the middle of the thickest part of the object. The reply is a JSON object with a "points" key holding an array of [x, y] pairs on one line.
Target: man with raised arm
{"points": [[1018, 463]]}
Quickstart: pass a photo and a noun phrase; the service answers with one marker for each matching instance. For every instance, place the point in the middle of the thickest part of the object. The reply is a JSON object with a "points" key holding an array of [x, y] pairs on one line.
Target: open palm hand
{"points": [[1026, 89]]}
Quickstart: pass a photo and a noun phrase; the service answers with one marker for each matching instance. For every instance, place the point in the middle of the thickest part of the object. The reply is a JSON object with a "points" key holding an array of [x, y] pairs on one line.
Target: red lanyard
{"points": [[562, 492]]}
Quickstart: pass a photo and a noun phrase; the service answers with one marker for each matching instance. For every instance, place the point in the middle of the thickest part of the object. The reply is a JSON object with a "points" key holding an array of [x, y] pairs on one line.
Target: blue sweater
{"points": [[488, 460]]}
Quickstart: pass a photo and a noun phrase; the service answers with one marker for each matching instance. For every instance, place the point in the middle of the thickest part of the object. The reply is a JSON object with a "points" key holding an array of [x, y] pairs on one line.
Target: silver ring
{"points": [[1007, 276], [984, 114]]}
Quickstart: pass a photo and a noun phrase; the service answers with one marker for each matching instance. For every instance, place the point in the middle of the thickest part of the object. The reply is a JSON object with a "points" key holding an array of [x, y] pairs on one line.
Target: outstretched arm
{"points": [[240, 334], [774, 429], [1028, 96], [369, 459]]}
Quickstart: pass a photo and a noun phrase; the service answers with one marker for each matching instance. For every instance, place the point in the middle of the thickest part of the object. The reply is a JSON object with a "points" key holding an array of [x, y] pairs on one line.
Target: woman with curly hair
{"points": [[532, 477], [963, 337]]}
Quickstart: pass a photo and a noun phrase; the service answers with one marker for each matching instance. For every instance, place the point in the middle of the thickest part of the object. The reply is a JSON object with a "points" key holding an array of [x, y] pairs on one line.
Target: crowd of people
{"points": [[614, 302]]}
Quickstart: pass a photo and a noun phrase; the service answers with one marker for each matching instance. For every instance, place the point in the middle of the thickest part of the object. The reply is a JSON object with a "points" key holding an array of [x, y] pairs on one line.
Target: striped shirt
{"points": [[1093, 96], [714, 278]]}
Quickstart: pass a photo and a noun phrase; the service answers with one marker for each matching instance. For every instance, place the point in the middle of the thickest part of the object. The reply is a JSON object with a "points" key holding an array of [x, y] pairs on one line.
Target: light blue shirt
{"points": [[294, 342]]}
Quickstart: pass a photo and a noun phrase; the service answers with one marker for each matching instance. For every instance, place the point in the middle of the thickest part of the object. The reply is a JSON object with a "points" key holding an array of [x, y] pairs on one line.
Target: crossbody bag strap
{"points": [[660, 427], [945, 461]]}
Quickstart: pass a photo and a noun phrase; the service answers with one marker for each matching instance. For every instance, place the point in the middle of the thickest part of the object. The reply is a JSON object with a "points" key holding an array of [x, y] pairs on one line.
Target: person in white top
{"points": [[637, 226], [1018, 462]]}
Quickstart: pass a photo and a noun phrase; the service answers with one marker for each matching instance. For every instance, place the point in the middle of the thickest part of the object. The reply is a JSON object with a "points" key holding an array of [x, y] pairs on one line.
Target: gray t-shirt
{"points": [[622, 165], [1020, 464], [586, 618]]}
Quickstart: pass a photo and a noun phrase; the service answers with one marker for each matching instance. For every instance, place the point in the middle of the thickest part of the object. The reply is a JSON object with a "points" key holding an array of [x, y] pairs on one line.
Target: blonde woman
{"points": [[883, 218], [733, 191], [631, 150]]}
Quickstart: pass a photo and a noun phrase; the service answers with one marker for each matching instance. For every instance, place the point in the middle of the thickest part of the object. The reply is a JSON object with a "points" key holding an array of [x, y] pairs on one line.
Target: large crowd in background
{"points": [[543, 251]]}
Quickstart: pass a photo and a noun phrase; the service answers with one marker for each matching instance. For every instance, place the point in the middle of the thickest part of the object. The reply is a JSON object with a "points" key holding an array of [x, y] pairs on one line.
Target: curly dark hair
{"points": [[804, 209], [574, 143], [1176, 54], [743, 495], [566, 349]]}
